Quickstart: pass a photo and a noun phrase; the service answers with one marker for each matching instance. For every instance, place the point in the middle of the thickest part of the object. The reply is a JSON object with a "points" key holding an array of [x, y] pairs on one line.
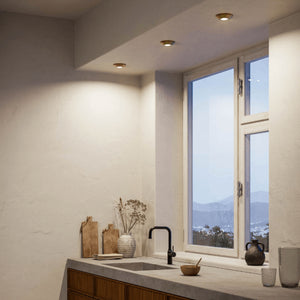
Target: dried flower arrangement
{"points": [[131, 213]]}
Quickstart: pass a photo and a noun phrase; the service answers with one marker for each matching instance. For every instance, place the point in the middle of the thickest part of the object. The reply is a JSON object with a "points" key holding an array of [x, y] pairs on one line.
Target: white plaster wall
{"points": [[69, 148], [168, 131], [284, 52], [147, 146]]}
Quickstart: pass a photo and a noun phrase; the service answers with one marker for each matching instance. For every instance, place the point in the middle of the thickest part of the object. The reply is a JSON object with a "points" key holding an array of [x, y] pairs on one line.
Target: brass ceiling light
{"points": [[224, 16], [167, 43], [119, 65]]}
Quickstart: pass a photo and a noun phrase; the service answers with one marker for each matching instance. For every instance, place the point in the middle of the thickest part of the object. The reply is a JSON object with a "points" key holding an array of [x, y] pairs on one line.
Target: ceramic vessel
{"points": [[190, 270], [289, 266], [268, 276], [126, 245], [255, 255]]}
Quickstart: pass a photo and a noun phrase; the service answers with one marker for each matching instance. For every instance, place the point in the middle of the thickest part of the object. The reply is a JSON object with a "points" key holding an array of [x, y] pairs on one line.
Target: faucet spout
{"points": [[170, 252]]}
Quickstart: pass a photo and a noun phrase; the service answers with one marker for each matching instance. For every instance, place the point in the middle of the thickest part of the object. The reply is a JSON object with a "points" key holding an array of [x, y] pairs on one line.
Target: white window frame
{"points": [[250, 128], [249, 56], [250, 124]]}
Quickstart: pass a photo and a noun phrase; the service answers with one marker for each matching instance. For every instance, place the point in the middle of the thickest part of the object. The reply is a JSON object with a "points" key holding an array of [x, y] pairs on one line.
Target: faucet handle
{"points": [[173, 252]]}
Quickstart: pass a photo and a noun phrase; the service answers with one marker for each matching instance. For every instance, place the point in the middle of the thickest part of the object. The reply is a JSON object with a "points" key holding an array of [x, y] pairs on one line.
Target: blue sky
{"points": [[213, 133]]}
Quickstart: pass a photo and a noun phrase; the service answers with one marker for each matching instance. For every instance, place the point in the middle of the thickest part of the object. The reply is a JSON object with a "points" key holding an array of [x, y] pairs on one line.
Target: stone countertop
{"points": [[211, 283]]}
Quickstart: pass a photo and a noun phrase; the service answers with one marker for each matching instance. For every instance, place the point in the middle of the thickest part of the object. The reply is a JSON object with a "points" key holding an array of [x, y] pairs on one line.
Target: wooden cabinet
{"points": [[81, 282], [85, 286], [108, 289], [135, 292], [76, 296]]}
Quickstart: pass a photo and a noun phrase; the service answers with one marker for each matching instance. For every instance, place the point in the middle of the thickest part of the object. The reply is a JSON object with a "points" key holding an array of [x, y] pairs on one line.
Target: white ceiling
{"points": [[66, 9], [199, 36]]}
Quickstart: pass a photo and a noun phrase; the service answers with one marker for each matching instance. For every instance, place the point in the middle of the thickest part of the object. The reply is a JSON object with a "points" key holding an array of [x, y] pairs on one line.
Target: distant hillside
{"points": [[221, 213]]}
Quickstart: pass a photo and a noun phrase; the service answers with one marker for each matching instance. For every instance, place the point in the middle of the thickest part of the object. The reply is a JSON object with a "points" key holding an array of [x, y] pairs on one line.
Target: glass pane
{"points": [[212, 108], [257, 86], [257, 187]]}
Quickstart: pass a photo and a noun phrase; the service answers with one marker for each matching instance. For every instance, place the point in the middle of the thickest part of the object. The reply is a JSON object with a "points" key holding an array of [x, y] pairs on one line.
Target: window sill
{"points": [[234, 264]]}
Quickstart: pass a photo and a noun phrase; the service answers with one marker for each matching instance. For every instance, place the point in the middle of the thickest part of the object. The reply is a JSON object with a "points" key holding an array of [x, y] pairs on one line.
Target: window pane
{"points": [[257, 187], [257, 86], [212, 210]]}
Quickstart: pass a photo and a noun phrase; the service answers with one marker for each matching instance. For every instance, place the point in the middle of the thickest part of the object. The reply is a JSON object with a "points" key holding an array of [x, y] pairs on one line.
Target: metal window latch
{"points": [[240, 87], [240, 189]]}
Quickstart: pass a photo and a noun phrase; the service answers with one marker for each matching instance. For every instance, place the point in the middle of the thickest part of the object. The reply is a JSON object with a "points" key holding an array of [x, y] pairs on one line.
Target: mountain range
{"points": [[221, 213]]}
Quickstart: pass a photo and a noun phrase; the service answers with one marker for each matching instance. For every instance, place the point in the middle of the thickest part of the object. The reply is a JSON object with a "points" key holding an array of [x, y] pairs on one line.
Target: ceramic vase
{"points": [[126, 245], [255, 255], [289, 266]]}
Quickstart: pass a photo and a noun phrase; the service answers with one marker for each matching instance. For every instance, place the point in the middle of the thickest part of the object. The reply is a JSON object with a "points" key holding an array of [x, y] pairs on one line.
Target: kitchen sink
{"points": [[139, 266]]}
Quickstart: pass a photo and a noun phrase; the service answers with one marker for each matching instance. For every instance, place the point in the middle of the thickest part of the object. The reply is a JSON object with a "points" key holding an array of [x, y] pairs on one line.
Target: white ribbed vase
{"points": [[126, 245]]}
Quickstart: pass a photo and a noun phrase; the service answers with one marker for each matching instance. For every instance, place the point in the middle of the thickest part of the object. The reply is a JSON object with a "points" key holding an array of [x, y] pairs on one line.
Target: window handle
{"points": [[240, 91], [240, 189]]}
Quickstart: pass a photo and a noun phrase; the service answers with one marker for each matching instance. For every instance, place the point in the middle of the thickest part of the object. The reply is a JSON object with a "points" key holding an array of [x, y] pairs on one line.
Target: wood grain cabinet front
{"points": [[77, 296], [85, 286], [134, 292], [81, 282], [108, 289]]}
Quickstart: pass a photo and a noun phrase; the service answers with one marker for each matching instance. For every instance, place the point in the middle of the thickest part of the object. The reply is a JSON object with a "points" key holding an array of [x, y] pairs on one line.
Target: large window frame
{"points": [[243, 125]]}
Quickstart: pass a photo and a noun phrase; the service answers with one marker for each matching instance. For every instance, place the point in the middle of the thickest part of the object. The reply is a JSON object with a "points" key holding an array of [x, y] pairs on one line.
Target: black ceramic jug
{"points": [[255, 255]]}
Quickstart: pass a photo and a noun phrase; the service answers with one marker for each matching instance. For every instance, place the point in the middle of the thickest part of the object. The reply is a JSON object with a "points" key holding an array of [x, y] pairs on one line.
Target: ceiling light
{"points": [[167, 43], [119, 65], [224, 16]]}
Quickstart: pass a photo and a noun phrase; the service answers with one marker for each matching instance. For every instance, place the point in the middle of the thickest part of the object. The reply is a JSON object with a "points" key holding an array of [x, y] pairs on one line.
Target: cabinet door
{"points": [[76, 296], [134, 292], [108, 289], [81, 282]]}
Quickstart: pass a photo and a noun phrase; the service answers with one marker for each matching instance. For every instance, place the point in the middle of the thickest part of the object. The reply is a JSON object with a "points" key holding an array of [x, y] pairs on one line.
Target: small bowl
{"points": [[190, 270]]}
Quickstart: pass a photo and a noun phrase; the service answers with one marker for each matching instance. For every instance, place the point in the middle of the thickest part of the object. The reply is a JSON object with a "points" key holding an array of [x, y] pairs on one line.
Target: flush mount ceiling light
{"points": [[119, 65], [167, 43], [224, 16]]}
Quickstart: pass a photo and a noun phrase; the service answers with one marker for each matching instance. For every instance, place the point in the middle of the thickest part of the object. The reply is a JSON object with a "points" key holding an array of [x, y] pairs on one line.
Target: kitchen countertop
{"points": [[211, 283]]}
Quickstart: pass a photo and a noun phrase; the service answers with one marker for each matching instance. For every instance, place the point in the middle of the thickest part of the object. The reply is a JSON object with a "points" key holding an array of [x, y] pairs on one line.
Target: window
{"points": [[257, 187], [257, 86], [226, 155]]}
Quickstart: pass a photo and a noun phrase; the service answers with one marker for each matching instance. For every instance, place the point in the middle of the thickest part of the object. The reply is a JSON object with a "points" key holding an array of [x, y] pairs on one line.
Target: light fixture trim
{"points": [[119, 65], [167, 43], [224, 16]]}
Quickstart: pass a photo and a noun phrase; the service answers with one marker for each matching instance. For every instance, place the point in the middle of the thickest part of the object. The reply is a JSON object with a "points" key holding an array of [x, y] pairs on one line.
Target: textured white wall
{"points": [[147, 147], [284, 49], [161, 153], [168, 132], [69, 149]]}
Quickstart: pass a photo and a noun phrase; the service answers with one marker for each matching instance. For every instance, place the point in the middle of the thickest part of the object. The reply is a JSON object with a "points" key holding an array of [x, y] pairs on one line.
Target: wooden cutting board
{"points": [[89, 234], [110, 239]]}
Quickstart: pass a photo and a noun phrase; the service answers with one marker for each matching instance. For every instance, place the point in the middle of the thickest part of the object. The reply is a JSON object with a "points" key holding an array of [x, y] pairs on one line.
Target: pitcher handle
{"points": [[247, 245], [263, 246]]}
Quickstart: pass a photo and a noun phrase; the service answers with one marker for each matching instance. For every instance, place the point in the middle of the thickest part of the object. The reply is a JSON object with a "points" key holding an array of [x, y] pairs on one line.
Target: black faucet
{"points": [[171, 252]]}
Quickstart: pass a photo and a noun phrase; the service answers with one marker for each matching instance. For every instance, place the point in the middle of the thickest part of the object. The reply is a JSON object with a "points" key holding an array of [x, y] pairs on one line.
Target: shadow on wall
{"points": [[69, 75], [63, 289]]}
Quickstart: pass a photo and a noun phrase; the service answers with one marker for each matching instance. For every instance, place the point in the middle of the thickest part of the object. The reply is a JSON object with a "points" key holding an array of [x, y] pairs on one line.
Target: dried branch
{"points": [[131, 213]]}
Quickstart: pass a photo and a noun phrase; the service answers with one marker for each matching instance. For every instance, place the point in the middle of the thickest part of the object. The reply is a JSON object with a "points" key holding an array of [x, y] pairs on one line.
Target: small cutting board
{"points": [[108, 256], [110, 239], [89, 233]]}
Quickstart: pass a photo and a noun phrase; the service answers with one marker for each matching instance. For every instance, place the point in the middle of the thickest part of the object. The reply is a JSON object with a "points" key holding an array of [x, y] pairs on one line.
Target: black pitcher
{"points": [[255, 255]]}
